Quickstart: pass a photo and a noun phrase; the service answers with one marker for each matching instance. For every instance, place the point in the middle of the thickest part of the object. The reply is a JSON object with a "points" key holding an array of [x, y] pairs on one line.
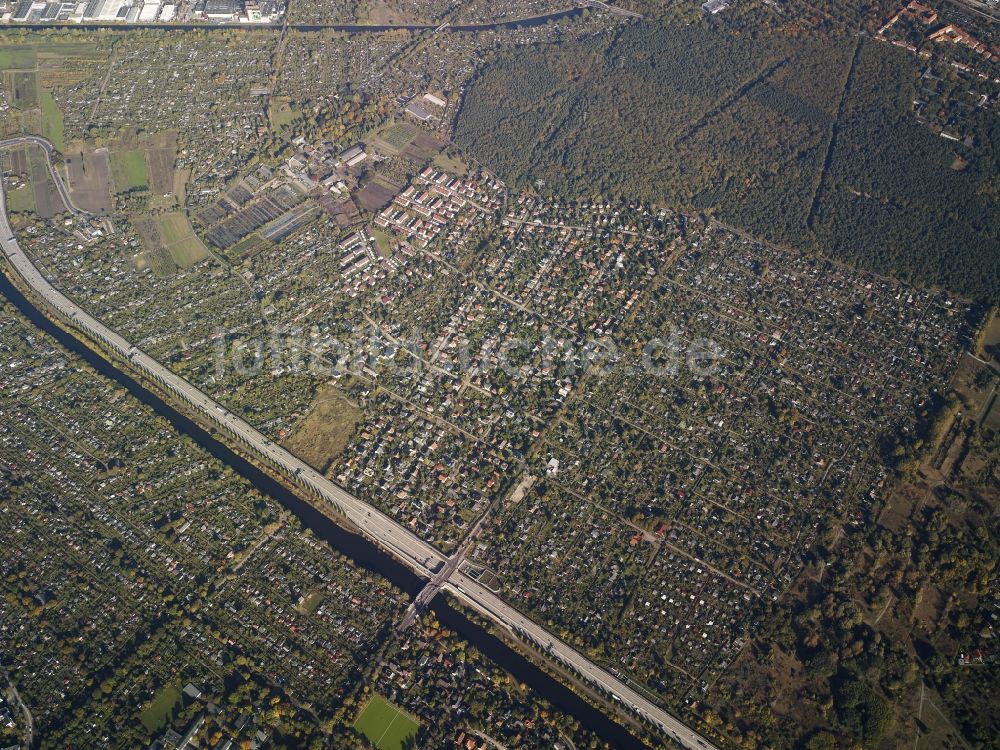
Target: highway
{"points": [[372, 523]]}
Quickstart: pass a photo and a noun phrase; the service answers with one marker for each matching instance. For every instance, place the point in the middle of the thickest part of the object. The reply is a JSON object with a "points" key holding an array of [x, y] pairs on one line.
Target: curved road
{"points": [[14, 698], [373, 524], [49, 149]]}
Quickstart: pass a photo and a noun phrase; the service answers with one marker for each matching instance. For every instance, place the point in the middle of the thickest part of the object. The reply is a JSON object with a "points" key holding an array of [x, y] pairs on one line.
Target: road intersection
{"points": [[374, 525]]}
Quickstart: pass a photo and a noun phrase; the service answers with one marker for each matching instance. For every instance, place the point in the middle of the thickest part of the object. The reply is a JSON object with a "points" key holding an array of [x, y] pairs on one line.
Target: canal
{"points": [[363, 553]]}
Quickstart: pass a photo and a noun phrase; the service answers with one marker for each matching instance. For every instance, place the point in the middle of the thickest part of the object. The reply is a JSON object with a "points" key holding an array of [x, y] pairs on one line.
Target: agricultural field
{"points": [[395, 137], [30, 163], [128, 171], [407, 140], [385, 725], [89, 179], [375, 195], [33, 76], [160, 150], [169, 243], [249, 246]]}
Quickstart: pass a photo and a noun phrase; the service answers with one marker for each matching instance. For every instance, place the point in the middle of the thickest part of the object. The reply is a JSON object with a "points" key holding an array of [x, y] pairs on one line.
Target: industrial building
{"points": [[143, 11]]}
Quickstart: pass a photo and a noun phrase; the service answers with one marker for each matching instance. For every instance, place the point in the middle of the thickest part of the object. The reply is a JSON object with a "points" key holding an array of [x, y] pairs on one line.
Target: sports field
{"points": [[160, 710], [385, 725]]}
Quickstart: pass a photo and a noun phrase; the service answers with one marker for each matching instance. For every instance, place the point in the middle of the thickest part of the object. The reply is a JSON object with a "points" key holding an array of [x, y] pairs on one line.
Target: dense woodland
{"points": [[805, 139]]}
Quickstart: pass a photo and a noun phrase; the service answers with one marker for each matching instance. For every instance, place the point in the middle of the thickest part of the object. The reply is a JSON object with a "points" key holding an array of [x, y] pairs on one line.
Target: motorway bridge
{"points": [[374, 525]]}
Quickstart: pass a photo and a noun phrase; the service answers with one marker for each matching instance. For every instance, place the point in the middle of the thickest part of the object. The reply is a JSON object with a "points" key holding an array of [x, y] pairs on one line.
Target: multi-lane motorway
{"points": [[372, 523]]}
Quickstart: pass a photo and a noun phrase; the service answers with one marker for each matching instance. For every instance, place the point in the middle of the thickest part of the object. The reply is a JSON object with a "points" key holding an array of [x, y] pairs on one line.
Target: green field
{"points": [[161, 708], [24, 90], [169, 243], [178, 237], [128, 171], [252, 244], [21, 200], [311, 602], [17, 57], [282, 114], [82, 50], [385, 725], [398, 136], [383, 241], [52, 119], [452, 164]]}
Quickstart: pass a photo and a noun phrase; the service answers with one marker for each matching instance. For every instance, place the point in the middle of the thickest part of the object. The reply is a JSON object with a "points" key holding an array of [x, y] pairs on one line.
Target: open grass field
{"points": [[184, 246], [281, 113], [17, 57], [400, 12], [383, 241], [169, 243], [23, 89], [21, 200], [61, 48], [385, 725], [157, 714], [322, 435], [89, 174], [453, 164], [310, 602], [52, 119], [128, 171], [990, 344]]}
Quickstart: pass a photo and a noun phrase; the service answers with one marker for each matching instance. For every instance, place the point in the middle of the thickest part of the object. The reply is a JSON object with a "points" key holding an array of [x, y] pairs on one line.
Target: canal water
{"points": [[363, 553]]}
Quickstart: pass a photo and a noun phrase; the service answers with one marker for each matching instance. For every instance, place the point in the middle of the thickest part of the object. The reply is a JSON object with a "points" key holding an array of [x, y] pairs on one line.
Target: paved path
{"points": [[49, 149], [14, 698], [377, 527]]}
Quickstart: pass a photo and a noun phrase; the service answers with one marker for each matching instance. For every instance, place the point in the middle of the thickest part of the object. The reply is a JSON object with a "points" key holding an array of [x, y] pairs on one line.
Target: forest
{"points": [[801, 140]]}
